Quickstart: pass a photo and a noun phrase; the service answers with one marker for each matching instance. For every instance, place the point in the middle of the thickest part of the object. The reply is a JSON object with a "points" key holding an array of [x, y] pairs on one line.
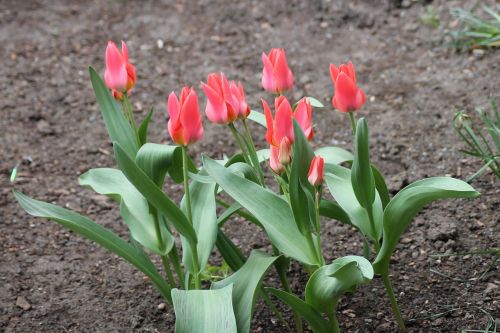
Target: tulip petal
{"points": [[269, 122], [283, 124], [267, 74], [216, 110], [190, 118], [334, 72]]}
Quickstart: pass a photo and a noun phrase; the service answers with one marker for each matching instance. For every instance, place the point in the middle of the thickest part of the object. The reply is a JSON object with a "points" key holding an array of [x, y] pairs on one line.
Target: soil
{"points": [[55, 281]]}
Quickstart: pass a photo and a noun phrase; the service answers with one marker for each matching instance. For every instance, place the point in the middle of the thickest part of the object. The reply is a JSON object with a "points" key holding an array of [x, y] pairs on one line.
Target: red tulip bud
{"points": [[347, 97], [185, 125], [316, 171]]}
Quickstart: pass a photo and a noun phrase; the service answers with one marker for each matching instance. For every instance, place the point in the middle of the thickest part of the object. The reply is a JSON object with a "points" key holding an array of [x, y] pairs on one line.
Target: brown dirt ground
{"points": [[50, 125]]}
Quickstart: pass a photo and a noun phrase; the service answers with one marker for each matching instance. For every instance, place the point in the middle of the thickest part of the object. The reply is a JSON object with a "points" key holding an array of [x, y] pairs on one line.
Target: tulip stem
{"points": [[353, 121], [194, 249], [240, 143], [394, 302], [174, 257], [318, 225], [286, 286], [129, 114], [161, 244], [253, 153]]}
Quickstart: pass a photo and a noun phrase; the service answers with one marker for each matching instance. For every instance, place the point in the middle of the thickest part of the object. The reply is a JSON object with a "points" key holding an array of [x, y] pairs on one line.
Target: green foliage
{"points": [[476, 31]]}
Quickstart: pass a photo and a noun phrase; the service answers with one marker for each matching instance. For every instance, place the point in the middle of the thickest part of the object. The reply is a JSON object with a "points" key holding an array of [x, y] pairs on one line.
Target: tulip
{"points": [[185, 125], [347, 97], [276, 75], [316, 171], [119, 75], [279, 133], [225, 100], [303, 115]]}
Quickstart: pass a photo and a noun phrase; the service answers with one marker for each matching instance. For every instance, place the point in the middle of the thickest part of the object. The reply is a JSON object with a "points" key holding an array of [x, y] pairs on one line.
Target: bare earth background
{"points": [[50, 124]]}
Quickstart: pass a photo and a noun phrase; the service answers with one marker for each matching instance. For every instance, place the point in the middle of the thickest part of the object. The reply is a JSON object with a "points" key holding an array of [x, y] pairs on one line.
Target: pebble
{"points": [[162, 306], [22, 303]]}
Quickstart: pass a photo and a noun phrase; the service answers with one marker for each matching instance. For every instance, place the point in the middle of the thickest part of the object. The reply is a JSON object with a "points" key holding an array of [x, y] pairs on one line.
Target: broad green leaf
{"points": [[338, 180], [300, 201], [97, 233], [315, 102], [362, 179], [230, 252], [263, 154], [204, 311], [307, 311], [270, 209], [328, 283], [246, 285], [153, 194], [257, 117], [334, 211], [118, 127], [133, 207], [405, 206], [143, 128], [243, 170], [203, 210], [156, 160], [334, 155]]}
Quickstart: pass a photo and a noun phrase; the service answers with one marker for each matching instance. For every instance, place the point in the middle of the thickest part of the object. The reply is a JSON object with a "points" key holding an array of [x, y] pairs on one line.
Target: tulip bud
{"points": [[316, 171], [285, 151], [303, 115], [119, 75], [347, 96], [276, 75], [185, 124]]}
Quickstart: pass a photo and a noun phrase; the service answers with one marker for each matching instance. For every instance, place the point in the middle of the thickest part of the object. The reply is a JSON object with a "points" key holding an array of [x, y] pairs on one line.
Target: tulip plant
{"points": [[330, 183]]}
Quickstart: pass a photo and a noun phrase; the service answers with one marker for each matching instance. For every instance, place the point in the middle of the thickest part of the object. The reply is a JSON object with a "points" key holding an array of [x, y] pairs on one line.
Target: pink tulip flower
{"points": [[276, 75], [303, 115], [316, 171], [347, 97], [225, 100], [119, 75], [185, 125]]}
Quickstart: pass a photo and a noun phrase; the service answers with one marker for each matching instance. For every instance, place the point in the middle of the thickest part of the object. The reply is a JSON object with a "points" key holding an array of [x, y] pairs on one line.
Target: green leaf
{"points": [[362, 179], [334, 155], [271, 210], [309, 313], [118, 127], [153, 194], [246, 285], [328, 283], [229, 251], [204, 311], [258, 117], [334, 211], [97, 233], [133, 207], [407, 203], [381, 186], [338, 180], [301, 202], [156, 160], [203, 210], [263, 154], [315, 102], [143, 128]]}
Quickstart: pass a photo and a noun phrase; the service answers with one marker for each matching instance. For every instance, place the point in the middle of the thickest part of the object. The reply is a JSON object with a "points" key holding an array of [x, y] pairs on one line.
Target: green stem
{"points": [[394, 302], [274, 309], [166, 266], [333, 320], [253, 153], [174, 258], [318, 226], [240, 143], [374, 231], [194, 249], [284, 281], [128, 111], [353, 122]]}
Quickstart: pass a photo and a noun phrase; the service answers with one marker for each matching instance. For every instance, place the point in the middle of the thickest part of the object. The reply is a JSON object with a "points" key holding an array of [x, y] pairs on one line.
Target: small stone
{"points": [[489, 288], [44, 127], [478, 53], [162, 306], [22, 303]]}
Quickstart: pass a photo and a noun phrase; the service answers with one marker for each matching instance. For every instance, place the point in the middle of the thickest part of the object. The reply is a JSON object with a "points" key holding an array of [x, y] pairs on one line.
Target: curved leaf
{"points": [[271, 210], [328, 283], [142, 131], [229, 251], [257, 117], [203, 210], [362, 179], [97, 233], [381, 186], [338, 180], [407, 203], [153, 194], [133, 207], [246, 284], [204, 311], [117, 125], [308, 312], [334, 211], [334, 155]]}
